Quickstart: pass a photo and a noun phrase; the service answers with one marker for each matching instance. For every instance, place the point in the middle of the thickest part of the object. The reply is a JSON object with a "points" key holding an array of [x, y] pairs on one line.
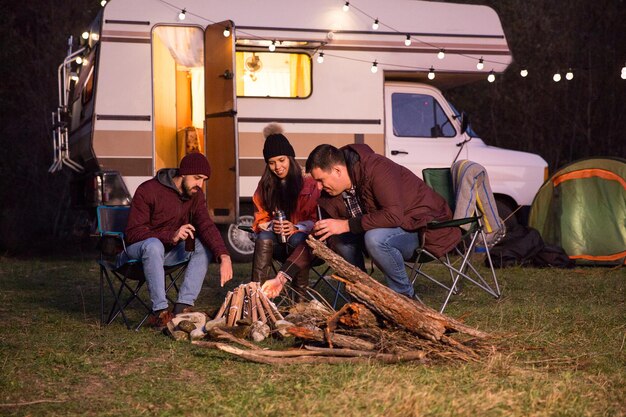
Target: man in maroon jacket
{"points": [[167, 213], [375, 204]]}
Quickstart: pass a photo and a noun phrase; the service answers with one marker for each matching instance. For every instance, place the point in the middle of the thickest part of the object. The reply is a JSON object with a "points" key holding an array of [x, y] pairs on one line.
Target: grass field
{"points": [[561, 336]]}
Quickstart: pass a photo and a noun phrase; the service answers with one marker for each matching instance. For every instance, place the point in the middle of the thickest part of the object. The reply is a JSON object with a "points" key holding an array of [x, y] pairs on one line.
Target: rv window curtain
{"points": [[186, 44]]}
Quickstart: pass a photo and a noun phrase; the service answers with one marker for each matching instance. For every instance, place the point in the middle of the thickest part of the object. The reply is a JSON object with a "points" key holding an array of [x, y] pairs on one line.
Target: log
{"points": [[252, 302], [339, 340], [226, 303], [408, 314], [266, 306], [259, 306], [221, 334]]}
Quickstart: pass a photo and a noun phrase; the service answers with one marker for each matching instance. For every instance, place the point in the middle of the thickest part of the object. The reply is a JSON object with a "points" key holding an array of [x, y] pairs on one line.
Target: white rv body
{"points": [[127, 111]]}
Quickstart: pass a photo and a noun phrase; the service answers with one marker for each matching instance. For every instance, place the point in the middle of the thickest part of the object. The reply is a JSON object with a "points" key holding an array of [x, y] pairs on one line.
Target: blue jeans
{"points": [[153, 257], [281, 251], [388, 247]]}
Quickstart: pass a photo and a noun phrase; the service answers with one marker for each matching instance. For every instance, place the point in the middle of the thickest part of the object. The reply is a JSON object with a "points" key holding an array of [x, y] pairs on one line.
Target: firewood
{"points": [[234, 306], [252, 302], [409, 314], [267, 308], [358, 315], [218, 333], [340, 340], [259, 306], [225, 305]]}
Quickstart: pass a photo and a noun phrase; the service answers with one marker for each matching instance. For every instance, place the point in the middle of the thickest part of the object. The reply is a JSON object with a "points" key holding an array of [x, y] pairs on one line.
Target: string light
{"points": [[556, 77], [491, 77], [227, 32], [624, 72], [431, 73], [374, 68], [407, 41], [569, 75], [73, 76], [524, 73], [320, 58], [79, 60], [182, 15], [103, 3], [375, 24], [441, 54], [272, 46], [95, 37], [346, 6], [85, 35], [480, 64]]}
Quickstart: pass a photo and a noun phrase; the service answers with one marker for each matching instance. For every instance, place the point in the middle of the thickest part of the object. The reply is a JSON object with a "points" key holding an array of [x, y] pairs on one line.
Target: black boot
{"points": [[262, 260]]}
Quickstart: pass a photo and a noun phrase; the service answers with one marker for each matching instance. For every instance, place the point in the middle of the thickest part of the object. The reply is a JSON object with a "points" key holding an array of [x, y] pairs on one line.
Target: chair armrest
{"points": [[246, 228], [451, 223]]}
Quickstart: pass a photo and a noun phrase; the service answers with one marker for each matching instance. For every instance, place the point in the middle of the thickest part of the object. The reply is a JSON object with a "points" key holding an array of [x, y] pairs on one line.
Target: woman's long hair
{"points": [[281, 194]]}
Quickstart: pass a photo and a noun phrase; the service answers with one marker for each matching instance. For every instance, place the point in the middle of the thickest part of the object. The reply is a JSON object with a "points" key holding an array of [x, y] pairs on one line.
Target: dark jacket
{"points": [[392, 196], [158, 210]]}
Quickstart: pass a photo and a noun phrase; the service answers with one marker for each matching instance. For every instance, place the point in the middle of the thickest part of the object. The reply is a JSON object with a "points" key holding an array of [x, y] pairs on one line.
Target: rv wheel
{"points": [[238, 242]]}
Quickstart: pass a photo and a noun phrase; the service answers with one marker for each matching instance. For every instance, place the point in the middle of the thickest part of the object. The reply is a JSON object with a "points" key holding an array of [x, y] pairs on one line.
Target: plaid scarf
{"points": [[352, 202]]}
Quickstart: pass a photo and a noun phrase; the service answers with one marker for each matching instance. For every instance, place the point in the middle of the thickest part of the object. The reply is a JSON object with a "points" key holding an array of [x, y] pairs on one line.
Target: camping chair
{"points": [[127, 280], [440, 180], [322, 280]]}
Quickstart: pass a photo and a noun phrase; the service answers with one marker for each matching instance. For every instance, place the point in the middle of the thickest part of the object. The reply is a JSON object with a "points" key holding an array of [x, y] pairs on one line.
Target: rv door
{"points": [[221, 122]]}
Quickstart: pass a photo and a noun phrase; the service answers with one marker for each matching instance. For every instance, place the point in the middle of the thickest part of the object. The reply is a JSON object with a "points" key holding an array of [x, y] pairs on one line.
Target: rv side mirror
{"points": [[464, 122]]}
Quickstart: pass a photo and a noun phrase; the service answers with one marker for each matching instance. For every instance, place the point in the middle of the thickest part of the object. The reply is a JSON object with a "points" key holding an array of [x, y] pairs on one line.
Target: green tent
{"points": [[582, 208]]}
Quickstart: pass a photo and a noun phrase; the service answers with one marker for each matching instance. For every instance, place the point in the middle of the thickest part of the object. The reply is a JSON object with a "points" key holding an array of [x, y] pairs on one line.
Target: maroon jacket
{"points": [[158, 210], [393, 196]]}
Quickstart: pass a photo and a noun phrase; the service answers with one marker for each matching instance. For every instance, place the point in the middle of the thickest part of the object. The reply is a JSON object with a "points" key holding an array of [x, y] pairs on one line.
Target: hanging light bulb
{"points": [[374, 68], [480, 64], [556, 77], [85, 62], [407, 41], [272, 46], [85, 35], [375, 24], [79, 60], [431, 73], [524, 73], [227, 31], [320, 58], [73, 76], [569, 75], [346, 6], [182, 15], [95, 37], [624, 72], [441, 54], [491, 77], [103, 3]]}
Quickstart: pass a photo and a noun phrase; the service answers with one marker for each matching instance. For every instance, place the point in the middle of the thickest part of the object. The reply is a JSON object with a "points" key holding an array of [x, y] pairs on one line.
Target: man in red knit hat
{"points": [[165, 212]]}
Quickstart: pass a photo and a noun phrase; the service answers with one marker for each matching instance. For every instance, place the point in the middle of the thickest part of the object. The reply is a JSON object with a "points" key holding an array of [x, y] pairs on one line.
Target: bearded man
{"points": [[167, 211]]}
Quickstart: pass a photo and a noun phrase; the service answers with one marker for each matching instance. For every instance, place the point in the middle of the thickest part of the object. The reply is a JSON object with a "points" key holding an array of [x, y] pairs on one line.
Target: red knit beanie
{"points": [[194, 164]]}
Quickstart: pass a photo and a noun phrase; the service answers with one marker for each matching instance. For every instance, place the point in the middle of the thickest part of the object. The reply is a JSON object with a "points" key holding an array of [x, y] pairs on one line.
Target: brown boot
{"points": [[262, 260], [300, 285]]}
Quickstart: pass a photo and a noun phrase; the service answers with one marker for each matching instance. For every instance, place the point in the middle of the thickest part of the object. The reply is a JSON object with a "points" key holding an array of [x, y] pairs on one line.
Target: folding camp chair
{"points": [[320, 270], [125, 281], [440, 180]]}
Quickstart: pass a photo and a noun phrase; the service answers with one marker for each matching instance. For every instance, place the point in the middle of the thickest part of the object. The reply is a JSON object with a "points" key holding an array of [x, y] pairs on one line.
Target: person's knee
{"points": [[153, 247], [374, 239]]}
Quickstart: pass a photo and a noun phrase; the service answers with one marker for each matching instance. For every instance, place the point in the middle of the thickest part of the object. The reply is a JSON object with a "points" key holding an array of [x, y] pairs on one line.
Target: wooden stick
{"points": [[267, 308], [232, 311], [222, 309], [252, 297], [239, 312], [221, 334], [340, 340], [259, 307]]}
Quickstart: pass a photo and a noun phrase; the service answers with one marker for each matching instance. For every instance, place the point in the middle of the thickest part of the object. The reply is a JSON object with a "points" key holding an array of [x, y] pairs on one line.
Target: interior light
{"points": [[182, 15], [346, 6], [320, 58], [431, 73], [441, 54], [407, 41], [480, 64], [491, 77], [375, 24], [374, 68], [227, 31], [556, 77], [524, 73]]}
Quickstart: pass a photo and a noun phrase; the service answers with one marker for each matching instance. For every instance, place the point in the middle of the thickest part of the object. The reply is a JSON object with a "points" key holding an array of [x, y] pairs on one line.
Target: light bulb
{"points": [[320, 58], [441, 54], [491, 77], [73, 76], [480, 64], [346, 6], [85, 62], [374, 68], [407, 41], [431, 74], [524, 73], [569, 75], [85, 35], [227, 32], [103, 3], [375, 24], [79, 60], [623, 75], [182, 15], [556, 77], [95, 37], [272, 46]]}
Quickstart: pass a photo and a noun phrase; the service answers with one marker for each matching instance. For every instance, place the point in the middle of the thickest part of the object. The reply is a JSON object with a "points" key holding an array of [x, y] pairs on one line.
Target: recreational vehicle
{"points": [[153, 79]]}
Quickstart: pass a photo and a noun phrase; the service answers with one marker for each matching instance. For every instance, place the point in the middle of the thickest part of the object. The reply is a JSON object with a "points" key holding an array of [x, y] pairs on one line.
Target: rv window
{"points": [[419, 115], [273, 74]]}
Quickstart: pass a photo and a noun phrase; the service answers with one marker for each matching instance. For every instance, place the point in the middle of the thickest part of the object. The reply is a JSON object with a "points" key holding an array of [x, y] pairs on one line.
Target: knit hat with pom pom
{"points": [[276, 143]]}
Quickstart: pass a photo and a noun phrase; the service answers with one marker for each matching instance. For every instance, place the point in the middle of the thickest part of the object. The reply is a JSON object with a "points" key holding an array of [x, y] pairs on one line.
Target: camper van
{"points": [[153, 80]]}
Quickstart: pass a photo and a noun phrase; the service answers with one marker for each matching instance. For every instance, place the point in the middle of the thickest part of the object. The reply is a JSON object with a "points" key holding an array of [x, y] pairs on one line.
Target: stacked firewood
{"points": [[248, 303]]}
